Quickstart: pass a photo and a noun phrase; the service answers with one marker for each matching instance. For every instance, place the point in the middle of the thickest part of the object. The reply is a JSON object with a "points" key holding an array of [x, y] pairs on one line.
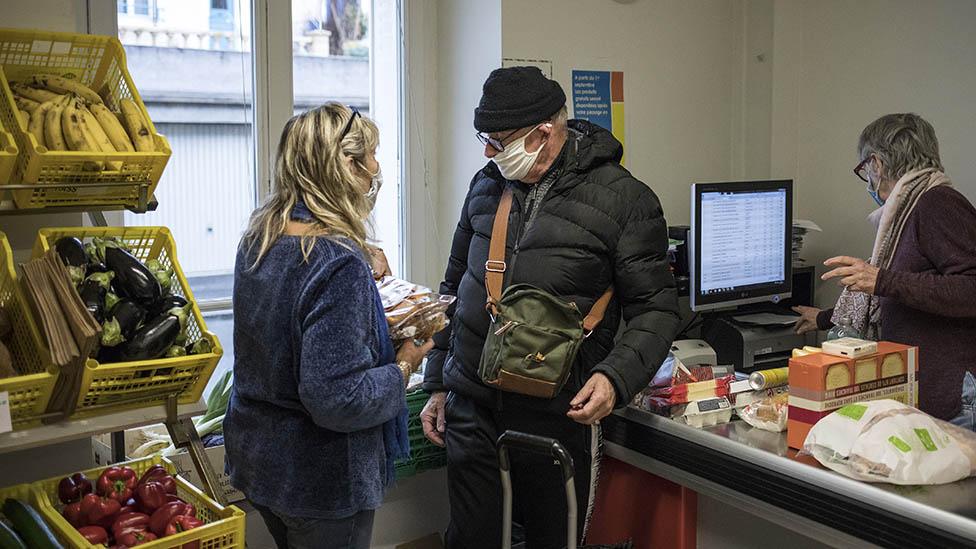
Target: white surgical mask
{"points": [[375, 184], [515, 162]]}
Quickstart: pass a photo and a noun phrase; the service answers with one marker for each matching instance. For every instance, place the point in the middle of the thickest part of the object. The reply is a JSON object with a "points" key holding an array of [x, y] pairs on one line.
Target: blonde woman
{"points": [[317, 414]]}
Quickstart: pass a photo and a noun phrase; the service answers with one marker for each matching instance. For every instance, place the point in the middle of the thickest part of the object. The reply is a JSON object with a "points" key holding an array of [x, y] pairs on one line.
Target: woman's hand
{"points": [[808, 319], [856, 274], [413, 352]]}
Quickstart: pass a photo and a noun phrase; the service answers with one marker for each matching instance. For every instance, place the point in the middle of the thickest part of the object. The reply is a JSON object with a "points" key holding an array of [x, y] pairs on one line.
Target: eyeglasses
{"points": [[348, 126], [495, 143], [861, 170]]}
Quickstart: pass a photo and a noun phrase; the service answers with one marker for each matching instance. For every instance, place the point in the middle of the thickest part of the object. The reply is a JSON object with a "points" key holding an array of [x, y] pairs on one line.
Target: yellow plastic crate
{"points": [[127, 385], [29, 393], [98, 62], [27, 494], [8, 149], [224, 528]]}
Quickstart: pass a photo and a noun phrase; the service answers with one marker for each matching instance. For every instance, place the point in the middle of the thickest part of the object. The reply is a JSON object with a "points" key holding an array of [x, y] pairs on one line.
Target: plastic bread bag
{"points": [[886, 441], [768, 414], [423, 319], [674, 372]]}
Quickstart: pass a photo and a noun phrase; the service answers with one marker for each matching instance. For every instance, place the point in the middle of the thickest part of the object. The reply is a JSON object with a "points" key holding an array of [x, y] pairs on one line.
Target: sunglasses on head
{"points": [[355, 114]]}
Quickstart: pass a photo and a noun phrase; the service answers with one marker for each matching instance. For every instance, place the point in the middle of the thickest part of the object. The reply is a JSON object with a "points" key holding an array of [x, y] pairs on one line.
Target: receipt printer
{"points": [[694, 352], [751, 347]]}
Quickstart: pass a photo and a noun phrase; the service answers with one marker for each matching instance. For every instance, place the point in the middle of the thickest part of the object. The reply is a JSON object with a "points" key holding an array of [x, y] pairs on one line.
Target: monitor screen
{"points": [[742, 246]]}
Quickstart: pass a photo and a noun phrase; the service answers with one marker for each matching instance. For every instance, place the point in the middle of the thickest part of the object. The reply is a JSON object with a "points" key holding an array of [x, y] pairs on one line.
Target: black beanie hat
{"points": [[516, 97]]}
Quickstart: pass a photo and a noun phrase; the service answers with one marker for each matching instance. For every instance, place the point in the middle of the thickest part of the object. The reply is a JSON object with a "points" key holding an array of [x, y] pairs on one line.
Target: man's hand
{"points": [[594, 402], [381, 267], [808, 319], [856, 274], [433, 420]]}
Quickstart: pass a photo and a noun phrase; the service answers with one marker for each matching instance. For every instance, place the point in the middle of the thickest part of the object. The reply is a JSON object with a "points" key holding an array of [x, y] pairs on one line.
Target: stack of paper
{"points": [[70, 331]]}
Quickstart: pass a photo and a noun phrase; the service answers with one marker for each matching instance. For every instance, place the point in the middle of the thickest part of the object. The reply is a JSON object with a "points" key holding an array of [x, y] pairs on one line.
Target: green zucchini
{"points": [[9, 539], [29, 524]]}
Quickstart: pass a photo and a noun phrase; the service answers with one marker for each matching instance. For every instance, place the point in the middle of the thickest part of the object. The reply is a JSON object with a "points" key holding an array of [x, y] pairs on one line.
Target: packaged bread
{"points": [[412, 311]]}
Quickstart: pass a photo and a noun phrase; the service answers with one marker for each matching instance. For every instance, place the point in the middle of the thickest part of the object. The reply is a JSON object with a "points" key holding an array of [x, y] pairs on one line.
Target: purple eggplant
{"points": [[93, 296], [72, 251], [165, 304], [156, 336], [132, 279], [130, 315]]}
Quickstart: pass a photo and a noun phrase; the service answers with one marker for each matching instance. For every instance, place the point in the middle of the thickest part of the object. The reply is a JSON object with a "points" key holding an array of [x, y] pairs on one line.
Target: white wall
{"points": [[468, 47], [679, 70], [838, 65]]}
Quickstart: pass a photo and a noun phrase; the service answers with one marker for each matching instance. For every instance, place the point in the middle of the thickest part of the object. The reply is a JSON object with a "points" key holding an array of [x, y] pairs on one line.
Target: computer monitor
{"points": [[741, 243]]}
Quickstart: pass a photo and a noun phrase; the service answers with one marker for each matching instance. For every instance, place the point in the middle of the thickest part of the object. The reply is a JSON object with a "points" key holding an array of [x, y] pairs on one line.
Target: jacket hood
{"points": [[594, 146]]}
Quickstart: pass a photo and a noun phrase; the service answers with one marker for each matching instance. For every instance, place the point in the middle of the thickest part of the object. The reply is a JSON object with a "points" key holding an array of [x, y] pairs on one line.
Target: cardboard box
{"points": [[821, 383]]}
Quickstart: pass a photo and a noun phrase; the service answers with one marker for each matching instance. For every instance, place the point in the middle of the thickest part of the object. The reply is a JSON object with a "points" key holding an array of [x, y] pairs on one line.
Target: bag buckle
{"points": [[493, 266], [587, 334]]}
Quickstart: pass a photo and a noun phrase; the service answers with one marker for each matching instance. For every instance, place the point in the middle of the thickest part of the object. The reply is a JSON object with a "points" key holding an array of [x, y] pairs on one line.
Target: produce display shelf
{"points": [[82, 428], [7, 207]]}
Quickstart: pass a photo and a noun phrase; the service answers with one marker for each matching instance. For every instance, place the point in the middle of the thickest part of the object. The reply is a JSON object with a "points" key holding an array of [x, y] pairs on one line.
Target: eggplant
{"points": [[165, 304], [175, 351], [102, 279], [111, 300], [96, 267], [129, 315], [132, 279], [153, 339], [93, 296], [109, 354], [72, 251]]}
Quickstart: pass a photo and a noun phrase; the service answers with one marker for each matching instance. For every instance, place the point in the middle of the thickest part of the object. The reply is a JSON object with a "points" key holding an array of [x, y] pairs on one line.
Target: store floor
{"points": [[415, 507]]}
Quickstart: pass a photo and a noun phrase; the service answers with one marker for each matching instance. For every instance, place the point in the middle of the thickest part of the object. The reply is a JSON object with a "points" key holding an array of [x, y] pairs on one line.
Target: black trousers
{"points": [[539, 494]]}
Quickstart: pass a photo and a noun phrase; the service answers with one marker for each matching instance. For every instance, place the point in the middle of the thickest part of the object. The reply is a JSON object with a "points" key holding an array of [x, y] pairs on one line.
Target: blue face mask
{"points": [[873, 191]]}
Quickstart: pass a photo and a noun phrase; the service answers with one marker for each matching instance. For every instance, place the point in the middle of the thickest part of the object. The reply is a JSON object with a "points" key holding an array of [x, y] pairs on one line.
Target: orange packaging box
{"points": [[821, 383]]}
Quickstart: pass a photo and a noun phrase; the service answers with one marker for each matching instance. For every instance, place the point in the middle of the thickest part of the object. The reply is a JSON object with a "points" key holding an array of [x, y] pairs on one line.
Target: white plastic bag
{"points": [[886, 441]]}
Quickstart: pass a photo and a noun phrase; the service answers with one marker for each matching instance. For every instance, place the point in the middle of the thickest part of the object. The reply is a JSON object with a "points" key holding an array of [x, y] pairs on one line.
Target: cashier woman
{"points": [[919, 286]]}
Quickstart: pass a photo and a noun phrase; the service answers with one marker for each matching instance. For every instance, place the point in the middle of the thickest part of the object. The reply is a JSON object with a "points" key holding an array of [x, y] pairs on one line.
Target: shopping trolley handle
{"points": [[536, 444]]}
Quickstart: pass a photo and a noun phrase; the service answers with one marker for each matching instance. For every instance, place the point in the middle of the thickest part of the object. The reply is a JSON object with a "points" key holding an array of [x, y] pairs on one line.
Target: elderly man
{"points": [[580, 223], [919, 288]]}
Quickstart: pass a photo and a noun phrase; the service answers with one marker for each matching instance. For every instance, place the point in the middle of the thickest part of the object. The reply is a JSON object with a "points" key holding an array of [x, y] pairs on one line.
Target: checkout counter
{"points": [[755, 471]]}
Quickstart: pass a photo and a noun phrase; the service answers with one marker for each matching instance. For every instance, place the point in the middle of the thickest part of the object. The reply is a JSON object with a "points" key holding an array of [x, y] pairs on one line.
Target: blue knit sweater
{"points": [[313, 383]]}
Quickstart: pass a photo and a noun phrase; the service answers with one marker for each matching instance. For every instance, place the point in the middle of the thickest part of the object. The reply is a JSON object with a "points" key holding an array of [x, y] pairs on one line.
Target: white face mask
{"points": [[375, 184], [515, 162]]}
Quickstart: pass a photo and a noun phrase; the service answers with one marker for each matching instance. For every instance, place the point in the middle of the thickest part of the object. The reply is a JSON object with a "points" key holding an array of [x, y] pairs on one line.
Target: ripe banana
{"points": [[53, 135], [58, 84], [34, 94], [36, 126], [137, 127], [25, 104], [24, 117], [77, 134], [100, 136], [113, 128]]}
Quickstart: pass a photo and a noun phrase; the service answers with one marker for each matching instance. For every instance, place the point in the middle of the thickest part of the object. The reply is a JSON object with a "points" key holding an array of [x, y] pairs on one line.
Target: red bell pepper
{"points": [[130, 521], [73, 488], [165, 514], [118, 483], [158, 473], [134, 536], [97, 509], [73, 514], [151, 496], [130, 507], [170, 498], [95, 535], [181, 524]]}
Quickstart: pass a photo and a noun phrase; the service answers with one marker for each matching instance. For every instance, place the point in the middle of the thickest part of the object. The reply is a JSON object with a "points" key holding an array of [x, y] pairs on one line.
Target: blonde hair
{"points": [[311, 166]]}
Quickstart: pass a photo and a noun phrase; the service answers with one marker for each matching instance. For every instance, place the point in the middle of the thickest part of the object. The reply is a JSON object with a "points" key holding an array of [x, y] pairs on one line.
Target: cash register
{"points": [[740, 270]]}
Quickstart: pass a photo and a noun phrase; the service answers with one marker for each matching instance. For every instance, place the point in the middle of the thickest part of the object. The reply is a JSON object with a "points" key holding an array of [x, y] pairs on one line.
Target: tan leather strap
{"points": [[599, 309], [495, 267]]}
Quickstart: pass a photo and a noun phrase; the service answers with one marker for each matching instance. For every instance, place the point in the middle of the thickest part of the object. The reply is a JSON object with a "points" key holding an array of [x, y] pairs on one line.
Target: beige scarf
{"points": [[862, 312]]}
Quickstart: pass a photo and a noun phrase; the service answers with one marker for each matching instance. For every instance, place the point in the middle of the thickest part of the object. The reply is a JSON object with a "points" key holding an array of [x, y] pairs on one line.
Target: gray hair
{"points": [[904, 142]]}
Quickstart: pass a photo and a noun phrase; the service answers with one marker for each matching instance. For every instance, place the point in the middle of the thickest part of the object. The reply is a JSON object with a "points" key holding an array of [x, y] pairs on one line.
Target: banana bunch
{"points": [[65, 115]]}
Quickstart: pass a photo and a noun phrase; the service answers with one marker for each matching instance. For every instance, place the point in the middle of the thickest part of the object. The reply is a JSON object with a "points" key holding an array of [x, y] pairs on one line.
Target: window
{"points": [[141, 7], [194, 67]]}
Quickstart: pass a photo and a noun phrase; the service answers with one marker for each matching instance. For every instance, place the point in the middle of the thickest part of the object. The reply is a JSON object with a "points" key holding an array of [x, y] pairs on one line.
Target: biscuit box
{"points": [[821, 383]]}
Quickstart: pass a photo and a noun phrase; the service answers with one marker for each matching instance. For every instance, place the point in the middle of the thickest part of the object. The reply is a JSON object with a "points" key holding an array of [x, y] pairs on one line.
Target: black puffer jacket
{"points": [[597, 226]]}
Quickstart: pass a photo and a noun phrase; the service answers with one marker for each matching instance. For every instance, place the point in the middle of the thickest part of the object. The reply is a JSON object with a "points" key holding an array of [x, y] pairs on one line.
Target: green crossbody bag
{"points": [[534, 336]]}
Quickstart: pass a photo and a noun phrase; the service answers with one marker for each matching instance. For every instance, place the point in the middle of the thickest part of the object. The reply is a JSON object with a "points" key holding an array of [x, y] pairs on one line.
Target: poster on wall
{"points": [[598, 96]]}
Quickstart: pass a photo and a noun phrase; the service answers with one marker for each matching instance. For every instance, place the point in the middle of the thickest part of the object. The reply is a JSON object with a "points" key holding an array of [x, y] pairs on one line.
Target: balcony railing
{"points": [[313, 43]]}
